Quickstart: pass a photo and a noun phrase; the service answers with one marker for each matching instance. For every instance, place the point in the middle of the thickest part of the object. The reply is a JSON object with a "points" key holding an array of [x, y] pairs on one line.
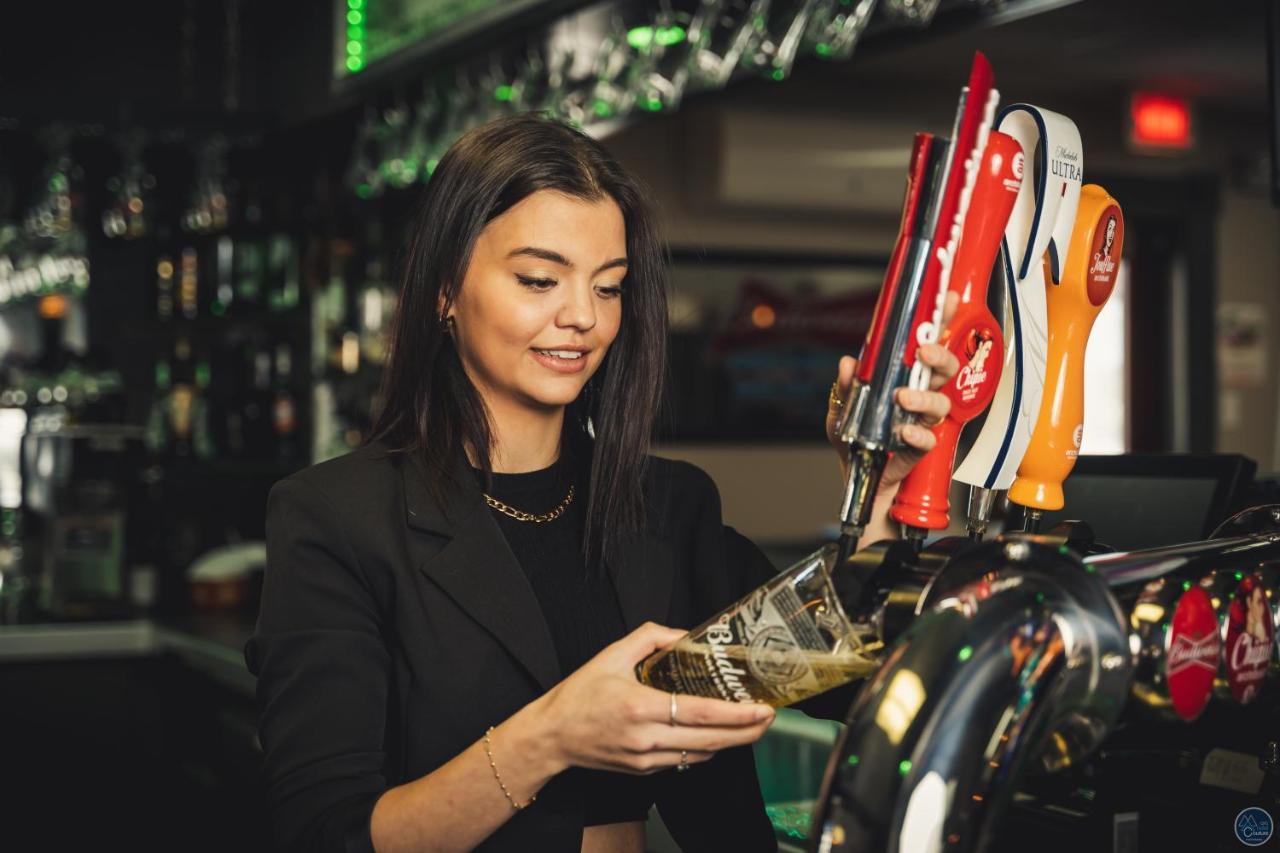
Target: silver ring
{"points": [[672, 717], [684, 761]]}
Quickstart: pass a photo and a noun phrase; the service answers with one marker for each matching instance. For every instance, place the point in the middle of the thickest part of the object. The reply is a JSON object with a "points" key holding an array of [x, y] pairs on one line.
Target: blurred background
{"points": [[203, 206]]}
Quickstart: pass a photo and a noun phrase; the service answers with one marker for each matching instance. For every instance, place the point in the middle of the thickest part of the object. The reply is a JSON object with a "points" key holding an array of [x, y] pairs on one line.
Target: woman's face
{"points": [[541, 300]]}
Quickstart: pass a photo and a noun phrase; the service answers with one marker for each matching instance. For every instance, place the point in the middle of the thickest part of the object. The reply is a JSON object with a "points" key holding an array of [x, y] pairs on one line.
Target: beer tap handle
{"points": [[1054, 191], [909, 310], [973, 335], [1087, 280]]}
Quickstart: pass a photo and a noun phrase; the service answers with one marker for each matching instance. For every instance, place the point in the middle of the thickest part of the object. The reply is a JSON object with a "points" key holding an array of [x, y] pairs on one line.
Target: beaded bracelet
{"points": [[488, 750]]}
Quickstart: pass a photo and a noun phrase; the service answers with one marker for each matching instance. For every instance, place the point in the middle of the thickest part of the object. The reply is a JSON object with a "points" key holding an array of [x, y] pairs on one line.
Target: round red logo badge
{"points": [[1250, 634], [1192, 651]]}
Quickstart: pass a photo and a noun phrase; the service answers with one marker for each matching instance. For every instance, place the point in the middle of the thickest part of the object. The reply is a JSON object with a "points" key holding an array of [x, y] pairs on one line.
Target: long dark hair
{"points": [[430, 407]]}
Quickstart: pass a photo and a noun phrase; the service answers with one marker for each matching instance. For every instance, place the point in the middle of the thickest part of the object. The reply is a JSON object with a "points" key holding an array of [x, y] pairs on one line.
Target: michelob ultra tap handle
{"points": [[1088, 277], [1053, 142], [973, 334]]}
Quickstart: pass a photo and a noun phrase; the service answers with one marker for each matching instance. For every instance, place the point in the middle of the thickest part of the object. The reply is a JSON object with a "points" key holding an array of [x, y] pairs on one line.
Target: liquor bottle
{"points": [[224, 277], [157, 428], [201, 430], [282, 273], [255, 419], [164, 288], [786, 641], [250, 271], [189, 283], [284, 419]]}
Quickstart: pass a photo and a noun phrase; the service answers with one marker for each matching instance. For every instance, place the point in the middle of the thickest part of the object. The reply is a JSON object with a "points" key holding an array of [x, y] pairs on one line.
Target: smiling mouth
{"points": [[564, 354]]}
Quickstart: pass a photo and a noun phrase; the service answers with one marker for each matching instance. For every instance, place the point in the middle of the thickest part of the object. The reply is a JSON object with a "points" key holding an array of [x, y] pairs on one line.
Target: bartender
{"points": [[452, 614]]}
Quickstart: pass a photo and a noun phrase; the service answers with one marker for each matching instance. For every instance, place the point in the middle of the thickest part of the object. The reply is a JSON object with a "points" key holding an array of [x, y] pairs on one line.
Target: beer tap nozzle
{"points": [[981, 502]]}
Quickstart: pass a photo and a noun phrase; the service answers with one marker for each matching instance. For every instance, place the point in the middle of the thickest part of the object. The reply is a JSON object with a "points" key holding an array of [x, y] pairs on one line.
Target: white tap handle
{"points": [[1042, 219]]}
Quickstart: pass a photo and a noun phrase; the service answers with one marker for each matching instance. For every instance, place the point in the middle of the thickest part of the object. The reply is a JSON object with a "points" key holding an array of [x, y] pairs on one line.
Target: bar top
{"points": [[214, 644]]}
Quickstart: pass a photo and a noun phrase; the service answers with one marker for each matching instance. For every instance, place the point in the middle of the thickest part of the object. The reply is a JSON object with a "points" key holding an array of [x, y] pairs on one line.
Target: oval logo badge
{"points": [[1250, 639], [1193, 650]]}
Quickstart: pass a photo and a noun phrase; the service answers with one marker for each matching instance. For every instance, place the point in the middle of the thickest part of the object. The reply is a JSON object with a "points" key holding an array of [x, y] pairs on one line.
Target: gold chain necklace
{"points": [[521, 515]]}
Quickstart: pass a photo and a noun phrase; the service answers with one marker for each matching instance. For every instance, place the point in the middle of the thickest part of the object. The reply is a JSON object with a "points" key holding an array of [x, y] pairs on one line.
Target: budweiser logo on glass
{"points": [[786, 641]]}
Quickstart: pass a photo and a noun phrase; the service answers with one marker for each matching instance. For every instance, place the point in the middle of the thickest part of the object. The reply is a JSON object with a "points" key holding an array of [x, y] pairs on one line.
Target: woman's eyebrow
{"points": [[557, 258]]}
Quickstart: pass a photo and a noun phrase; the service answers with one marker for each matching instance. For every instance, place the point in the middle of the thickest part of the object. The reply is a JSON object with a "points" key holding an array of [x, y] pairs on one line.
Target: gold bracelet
{"points": [[488, 750]]}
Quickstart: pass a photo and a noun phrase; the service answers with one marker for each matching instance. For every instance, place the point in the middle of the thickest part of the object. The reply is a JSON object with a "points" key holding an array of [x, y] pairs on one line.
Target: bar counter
{"points": [[211, 644]]}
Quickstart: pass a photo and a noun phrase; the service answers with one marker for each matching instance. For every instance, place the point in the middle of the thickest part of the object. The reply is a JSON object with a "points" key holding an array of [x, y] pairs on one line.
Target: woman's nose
{"points": [[578, 310]]}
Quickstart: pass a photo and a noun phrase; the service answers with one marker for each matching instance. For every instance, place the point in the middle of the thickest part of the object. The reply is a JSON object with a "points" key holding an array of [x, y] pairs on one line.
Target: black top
{"points": [[579, 605], [396, 625]]}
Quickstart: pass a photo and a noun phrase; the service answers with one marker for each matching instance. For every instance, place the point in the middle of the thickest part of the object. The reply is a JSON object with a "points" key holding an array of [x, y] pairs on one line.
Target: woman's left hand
{"points": [[932, 406]]}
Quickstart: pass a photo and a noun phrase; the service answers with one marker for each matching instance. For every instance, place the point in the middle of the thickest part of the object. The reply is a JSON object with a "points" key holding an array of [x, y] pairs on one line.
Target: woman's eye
{"points": [[609, 292], [535, 283]]}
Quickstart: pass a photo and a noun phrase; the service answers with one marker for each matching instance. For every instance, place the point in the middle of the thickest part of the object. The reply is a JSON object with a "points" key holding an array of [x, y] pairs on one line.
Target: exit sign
{"points": [[1160, 121]]}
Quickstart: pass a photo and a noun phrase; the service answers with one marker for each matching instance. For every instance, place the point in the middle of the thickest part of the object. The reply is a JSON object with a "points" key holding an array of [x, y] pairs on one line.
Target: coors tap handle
{"points": [[1088, 277], [973, 335], [909, 310], [1042, 220]]}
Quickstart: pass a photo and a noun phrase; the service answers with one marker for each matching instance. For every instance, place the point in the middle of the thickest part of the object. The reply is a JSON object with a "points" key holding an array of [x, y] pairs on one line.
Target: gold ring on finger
{"points": [[672, 715], [930, 422], [833, 397]]}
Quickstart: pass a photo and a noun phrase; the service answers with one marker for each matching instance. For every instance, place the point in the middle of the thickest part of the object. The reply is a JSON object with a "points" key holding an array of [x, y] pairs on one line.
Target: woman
{"points": [[452, 614]]}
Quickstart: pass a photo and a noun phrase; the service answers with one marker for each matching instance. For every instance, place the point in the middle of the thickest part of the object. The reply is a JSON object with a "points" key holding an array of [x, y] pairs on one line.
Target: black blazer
{"points": [[393, 631]]}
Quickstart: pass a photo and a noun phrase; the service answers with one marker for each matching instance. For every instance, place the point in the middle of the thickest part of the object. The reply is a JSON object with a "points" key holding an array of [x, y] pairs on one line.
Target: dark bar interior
{"points": [[207, 211]]}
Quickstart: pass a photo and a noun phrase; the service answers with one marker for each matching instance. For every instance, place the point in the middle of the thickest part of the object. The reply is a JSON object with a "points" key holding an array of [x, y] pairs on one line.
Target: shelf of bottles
{"points": [[268, 347], [350, 313], [228, 324]]}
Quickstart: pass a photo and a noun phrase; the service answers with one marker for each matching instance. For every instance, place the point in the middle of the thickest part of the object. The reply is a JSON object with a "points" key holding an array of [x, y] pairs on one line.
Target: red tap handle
{"points": [[911, 212], [973, 335]]}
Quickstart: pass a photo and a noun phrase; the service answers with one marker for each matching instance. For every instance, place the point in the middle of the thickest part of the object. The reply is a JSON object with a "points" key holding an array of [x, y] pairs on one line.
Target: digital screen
{"points": [[372, 30], [1131, 513]]}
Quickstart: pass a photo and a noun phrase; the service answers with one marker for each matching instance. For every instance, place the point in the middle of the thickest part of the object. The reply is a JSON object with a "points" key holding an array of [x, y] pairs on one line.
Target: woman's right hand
{"points": [[602, 717]]}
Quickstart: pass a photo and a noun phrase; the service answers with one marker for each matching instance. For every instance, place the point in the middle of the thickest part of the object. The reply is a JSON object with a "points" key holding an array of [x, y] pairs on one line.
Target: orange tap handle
{"points": [[973, 334], [1088, 277]]}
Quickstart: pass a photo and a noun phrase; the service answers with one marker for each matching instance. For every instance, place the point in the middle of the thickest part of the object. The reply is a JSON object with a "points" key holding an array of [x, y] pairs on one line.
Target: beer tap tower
{"points": [[1023, 660]]}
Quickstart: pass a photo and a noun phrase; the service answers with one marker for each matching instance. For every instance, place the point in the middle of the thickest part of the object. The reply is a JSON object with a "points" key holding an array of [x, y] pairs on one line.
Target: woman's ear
{"points": [[443, 304]]}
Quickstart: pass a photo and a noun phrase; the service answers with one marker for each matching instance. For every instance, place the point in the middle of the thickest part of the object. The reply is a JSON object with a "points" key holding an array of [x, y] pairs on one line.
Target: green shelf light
{"points": [[667, 36], [356, 35], [964, 654], [502, 93], [904, 767], [642, 37]]}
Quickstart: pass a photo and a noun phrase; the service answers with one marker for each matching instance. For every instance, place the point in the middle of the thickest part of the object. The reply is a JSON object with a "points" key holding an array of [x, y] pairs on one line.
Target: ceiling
{"points": [[1214, 52]]}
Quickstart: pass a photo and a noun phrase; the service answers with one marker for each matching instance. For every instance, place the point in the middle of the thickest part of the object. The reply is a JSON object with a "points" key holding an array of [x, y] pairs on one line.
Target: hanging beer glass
{"points": [[729, 30], [918, 12], [836, 26], [780, 33]]}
